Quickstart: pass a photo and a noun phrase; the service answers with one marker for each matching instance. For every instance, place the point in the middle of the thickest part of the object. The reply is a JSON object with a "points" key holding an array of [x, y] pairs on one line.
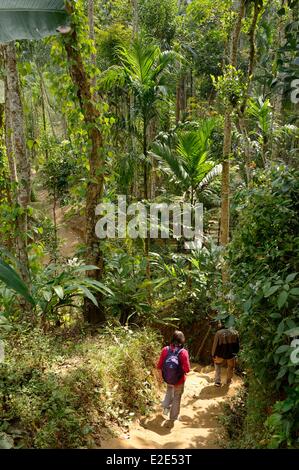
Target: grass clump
{"points": [[57, 392]]}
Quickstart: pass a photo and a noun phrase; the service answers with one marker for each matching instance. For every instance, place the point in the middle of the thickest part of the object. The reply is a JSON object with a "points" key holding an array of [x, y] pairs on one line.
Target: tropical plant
{"points": [[159, 19], [260, 112], [144, 71], [125, 276], [189, 162], [13, 281], [264, 298], [57, 287], [188, 285]]}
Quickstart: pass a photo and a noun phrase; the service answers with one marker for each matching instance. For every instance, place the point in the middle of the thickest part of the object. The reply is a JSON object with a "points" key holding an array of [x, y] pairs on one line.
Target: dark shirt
{"points": [[226, 343]]}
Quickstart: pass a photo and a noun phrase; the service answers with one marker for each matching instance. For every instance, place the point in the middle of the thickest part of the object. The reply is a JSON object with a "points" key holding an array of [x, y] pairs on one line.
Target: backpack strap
{"points": [[178, 350]]}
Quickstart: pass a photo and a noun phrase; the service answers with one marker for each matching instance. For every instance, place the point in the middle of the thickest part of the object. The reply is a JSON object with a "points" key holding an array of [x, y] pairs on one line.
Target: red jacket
{"points": [[184, 359]]}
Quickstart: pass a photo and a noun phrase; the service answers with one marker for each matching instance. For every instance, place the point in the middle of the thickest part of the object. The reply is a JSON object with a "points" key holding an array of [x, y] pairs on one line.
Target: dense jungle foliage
{"points": [[167, 102]]}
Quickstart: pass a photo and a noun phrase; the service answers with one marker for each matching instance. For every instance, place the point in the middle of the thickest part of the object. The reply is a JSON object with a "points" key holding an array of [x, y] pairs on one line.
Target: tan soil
{"points": [[199, 425], [70, 231]]}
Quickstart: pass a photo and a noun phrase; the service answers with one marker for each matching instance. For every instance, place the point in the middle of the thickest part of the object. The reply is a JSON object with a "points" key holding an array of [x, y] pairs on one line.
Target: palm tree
{"points": [[144, 71], [189, 161], [227, 140]]}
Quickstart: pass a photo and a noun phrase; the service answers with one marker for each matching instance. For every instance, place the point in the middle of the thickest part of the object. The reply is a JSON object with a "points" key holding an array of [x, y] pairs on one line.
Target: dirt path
{"points": [[70, 232], [199, 426]]}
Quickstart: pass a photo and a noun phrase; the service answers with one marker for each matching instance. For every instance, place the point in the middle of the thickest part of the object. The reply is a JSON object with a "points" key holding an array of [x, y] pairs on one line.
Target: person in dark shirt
{"points": [[225, 348]]}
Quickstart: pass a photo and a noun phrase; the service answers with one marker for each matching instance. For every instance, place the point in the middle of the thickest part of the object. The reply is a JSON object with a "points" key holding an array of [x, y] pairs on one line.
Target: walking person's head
{"points": [[178, 338]]}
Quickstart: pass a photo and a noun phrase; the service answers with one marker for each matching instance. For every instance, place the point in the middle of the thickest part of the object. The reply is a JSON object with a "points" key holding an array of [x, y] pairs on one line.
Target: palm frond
{"points": [[203, 170], [213, 173], [112, 77], [193, 147], [164, 153]]}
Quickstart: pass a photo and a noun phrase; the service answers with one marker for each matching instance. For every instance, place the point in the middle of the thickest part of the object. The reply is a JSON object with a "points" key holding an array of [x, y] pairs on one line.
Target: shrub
{"points": [[264, 275], [60, 392]]}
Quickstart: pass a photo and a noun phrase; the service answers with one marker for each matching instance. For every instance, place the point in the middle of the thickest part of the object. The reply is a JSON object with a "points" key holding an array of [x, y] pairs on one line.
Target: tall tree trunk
{"points": [[183, 94], [5, 190], [2, 167], [95, 185], [177, 103], [153, 175], [145, 166], [146, 197], [92, 34], [47, 103], [277, 100], [9, 144], [20, 152], [225, 186], [257, 8], [135, 32], [135, 18], [17, 144], [44, 116], [225, 183], [91, 19], [55, 225], [180, 99]]}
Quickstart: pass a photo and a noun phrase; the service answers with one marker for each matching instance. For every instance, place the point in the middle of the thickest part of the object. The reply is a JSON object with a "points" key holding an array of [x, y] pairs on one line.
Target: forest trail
{"points": [[70, 232], [199, 426]]}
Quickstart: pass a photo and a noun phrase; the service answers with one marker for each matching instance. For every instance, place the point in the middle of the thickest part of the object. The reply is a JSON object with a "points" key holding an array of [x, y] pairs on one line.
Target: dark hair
{"points": [[178, 338]]}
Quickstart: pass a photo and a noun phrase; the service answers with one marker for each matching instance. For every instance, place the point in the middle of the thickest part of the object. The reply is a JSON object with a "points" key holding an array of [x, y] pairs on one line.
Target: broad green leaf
{"points": [[59, 291], [27, 19], [275, 315], [47, 295], [291, 277], [280, 328], [282, 349], [293, 331], [13, 281], [159, 283], [88, 294], [282, 298], [282, 372], [266, 287], [290, 323], [98, 285], [88, 267], [295, 291], [271, 291]]}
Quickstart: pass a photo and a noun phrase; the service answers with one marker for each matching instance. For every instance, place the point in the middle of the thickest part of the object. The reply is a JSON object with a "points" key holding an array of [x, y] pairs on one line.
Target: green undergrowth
{"points": [[244, 416], [65, 390]]}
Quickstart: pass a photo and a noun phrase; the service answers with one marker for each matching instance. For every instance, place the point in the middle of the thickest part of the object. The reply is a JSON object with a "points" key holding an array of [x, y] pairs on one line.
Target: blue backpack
{"points": [[172, 370]]}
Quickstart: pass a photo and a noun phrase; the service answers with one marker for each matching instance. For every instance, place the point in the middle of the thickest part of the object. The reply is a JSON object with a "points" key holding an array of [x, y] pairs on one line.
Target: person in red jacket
{"points": [[173, 366]]}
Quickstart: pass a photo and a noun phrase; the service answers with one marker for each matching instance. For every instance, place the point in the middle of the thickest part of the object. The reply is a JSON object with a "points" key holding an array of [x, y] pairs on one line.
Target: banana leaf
{"points": [[30, 19], [13, 281]]}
